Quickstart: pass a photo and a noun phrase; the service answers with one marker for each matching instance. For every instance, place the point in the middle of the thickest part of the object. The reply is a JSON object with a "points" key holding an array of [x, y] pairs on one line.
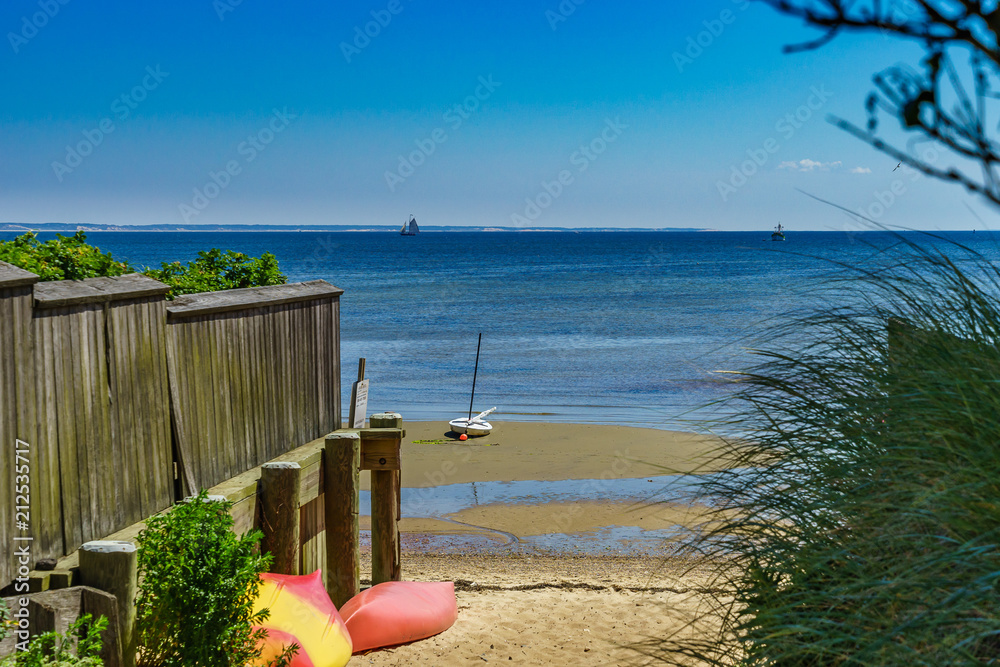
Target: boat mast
{"points": [[474, 374]]}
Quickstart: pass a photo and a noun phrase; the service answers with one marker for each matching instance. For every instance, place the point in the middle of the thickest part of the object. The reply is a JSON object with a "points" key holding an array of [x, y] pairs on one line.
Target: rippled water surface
{"points": [[578, 327]]}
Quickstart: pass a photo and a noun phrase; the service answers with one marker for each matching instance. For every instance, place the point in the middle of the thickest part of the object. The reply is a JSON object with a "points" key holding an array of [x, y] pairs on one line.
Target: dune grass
{"points": [[863, 526]]}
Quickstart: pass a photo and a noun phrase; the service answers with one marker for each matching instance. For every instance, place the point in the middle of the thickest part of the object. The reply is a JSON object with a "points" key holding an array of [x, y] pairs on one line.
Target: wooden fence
{"points": [[101, 382], [119, 393], [254, 373]]}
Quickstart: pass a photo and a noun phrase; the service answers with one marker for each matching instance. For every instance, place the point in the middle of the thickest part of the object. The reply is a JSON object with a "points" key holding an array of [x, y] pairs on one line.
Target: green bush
{"points": [[71, 258], [79, 647], [860, 522], [61, 258], [216, 270], [198, 585]]}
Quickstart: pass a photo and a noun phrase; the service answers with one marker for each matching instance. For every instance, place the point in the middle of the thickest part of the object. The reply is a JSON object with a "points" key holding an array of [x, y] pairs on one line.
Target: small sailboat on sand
{"points": [[472, 426]]}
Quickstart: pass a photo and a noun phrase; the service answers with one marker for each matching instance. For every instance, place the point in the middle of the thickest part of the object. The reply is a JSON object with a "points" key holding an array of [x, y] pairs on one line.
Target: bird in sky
{"points": [[897, 166]]}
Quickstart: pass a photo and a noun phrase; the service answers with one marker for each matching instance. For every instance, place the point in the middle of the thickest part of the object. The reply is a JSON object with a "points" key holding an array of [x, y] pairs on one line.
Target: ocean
{"points": [[589, 327]]}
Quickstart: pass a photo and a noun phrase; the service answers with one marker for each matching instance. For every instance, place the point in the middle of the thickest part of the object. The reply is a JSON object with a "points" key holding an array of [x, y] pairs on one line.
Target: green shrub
{"points": [[860, 522], [61, 258], [216, 270], [70, 258], [198, 585], [79, 647]]}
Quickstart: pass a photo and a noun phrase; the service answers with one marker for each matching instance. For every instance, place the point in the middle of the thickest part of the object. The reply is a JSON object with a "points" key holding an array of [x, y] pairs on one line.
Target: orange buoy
{"points": [[463, 437]]}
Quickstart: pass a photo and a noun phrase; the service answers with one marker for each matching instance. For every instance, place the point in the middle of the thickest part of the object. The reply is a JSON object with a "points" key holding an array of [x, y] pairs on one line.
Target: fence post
{"points": [[386, 511], [391, 420], [112, 567], [386, 420], [280, 485], [341, 483], [41, 618]]}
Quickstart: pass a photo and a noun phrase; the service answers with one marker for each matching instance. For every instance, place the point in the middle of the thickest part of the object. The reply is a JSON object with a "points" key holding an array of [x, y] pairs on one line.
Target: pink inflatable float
{"points": [[398, 612], [301, 612]]}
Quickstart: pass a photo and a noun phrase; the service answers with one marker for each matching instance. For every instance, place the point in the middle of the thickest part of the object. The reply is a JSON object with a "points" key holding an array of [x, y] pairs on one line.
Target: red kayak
{"points": [[398, 612]]}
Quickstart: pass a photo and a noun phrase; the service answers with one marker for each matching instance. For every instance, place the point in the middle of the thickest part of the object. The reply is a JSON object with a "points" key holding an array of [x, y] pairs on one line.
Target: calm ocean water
{"points": [[592, 327]]}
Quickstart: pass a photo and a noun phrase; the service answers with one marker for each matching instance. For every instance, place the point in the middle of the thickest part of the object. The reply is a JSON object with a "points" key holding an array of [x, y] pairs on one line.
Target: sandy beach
{"points": [[544, 451], [561, 605]]}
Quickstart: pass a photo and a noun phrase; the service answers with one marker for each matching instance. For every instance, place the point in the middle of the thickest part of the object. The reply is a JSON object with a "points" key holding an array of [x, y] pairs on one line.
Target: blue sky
{"points": [[515, 113]]}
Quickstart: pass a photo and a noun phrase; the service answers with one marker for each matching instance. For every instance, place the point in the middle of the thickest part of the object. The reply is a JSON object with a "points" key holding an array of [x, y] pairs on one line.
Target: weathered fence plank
{"points": [[51, 502], [252, 376], [17, 407], [104, 395]]}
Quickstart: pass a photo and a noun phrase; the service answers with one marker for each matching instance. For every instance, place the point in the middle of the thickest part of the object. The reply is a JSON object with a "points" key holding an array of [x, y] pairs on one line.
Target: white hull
{"points": [[471, 429]]}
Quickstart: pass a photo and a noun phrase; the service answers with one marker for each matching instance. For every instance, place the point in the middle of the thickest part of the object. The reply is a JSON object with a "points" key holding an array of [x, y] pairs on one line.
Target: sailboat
{"points": [[409, 228], [778, 234], [473, 426]]}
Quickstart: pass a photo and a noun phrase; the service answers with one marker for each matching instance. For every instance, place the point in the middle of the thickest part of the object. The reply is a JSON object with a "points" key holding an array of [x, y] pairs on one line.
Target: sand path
{"points": [[550, 611], [544, 609]]}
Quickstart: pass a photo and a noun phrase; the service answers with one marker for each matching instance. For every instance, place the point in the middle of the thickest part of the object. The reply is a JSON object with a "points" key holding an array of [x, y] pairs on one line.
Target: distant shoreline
{"points": [[61, 227]]}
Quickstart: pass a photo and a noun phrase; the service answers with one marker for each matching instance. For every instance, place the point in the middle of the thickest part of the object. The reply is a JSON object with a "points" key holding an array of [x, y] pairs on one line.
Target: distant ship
{"points": [[778, 234], [409, 228]]}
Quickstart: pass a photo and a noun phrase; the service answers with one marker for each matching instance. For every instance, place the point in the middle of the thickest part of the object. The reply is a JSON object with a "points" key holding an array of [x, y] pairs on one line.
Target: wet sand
{"points": [[538, 607], [541, 451]]}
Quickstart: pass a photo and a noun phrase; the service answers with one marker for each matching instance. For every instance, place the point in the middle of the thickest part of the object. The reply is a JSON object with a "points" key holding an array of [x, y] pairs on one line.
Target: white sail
{"points": [[483, 415], [409, 227]]}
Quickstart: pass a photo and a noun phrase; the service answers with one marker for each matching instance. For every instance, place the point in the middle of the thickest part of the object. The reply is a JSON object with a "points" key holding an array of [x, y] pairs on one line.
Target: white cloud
{"points": [[810, 165], [861, 170]]}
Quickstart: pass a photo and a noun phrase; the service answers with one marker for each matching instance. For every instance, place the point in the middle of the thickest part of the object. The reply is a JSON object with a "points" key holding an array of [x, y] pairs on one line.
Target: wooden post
{"points": [[386, 420], [112, 567], [41, 618], [341, 483], [386, 561], [280, 486], [392, 420], [386, 505], [60, 579], [98, 603]]}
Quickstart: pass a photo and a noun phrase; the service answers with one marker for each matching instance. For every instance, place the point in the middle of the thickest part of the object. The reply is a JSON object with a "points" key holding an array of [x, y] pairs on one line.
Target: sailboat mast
{"points": [[475, 373]]}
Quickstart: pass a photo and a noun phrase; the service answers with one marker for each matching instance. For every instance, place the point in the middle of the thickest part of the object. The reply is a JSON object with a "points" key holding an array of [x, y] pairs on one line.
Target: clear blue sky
{"points": [[303, 121]]}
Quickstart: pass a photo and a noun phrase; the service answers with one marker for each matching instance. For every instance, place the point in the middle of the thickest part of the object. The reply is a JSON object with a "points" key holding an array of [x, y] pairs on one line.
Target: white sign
{"points": [[360, 392]]}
